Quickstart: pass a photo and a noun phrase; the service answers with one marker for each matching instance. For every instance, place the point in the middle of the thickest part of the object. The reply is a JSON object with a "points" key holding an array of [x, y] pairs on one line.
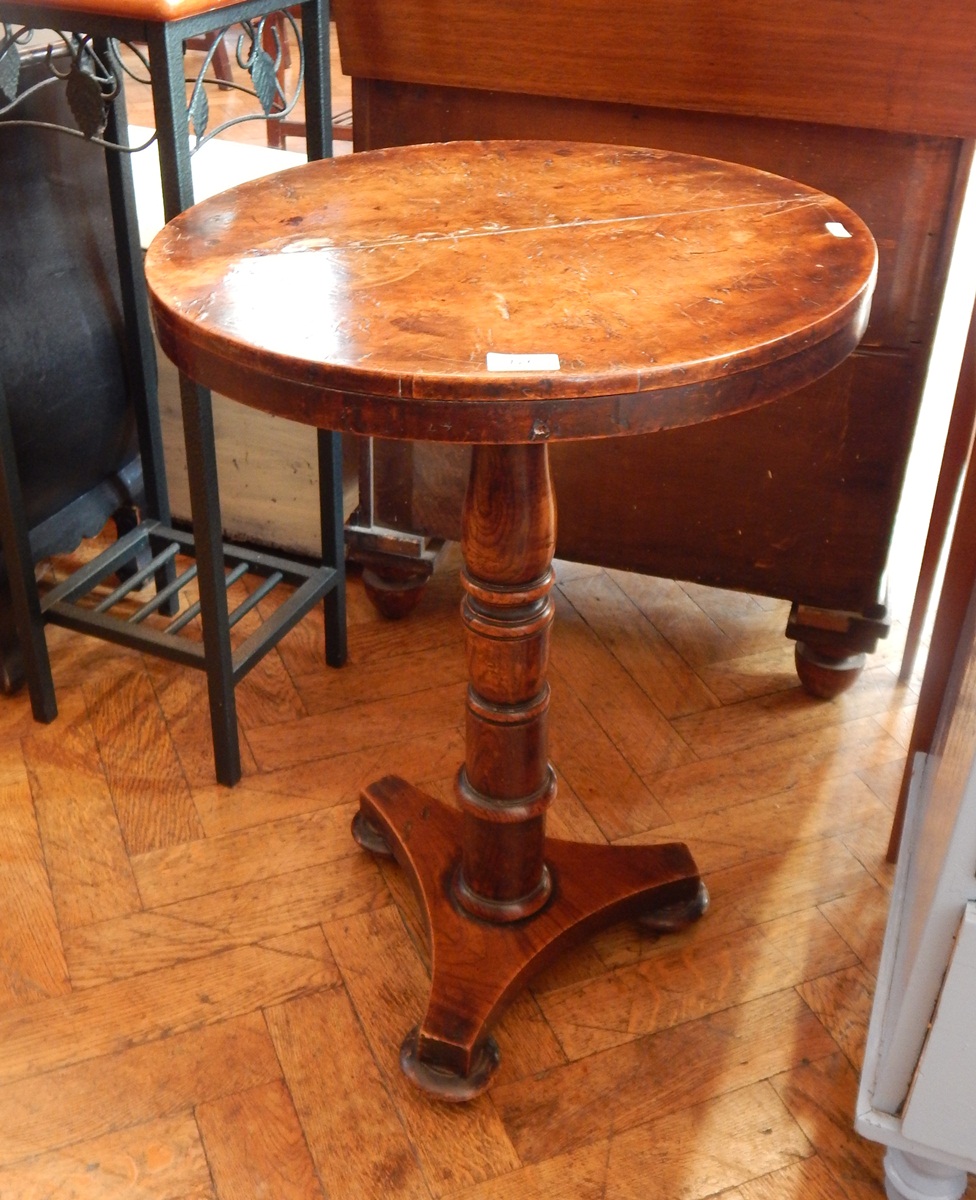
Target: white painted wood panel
{"points": [[937, 877], [941, 1107]]}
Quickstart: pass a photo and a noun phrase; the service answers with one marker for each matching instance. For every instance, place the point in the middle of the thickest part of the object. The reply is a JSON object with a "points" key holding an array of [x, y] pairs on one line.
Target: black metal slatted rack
{"points": [[65, 604]]}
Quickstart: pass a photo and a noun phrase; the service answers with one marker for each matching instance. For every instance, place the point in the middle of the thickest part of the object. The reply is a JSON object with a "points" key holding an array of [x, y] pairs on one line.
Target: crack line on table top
{"points": [[312, 243]]}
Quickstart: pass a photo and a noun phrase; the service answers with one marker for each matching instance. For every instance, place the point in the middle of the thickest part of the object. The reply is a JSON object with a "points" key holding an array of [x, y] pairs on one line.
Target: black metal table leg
{"points": [[172, 128], [20, 572], [138, 351], [333, 542]]}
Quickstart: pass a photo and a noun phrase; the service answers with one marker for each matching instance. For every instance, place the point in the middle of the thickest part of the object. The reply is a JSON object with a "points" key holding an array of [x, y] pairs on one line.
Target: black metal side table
{"points": [[93, 78]]}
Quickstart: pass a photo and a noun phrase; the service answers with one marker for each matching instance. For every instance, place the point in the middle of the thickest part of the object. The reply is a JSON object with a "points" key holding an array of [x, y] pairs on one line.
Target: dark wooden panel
{"points": [[883, 64], [796, 503], [793, 500]]}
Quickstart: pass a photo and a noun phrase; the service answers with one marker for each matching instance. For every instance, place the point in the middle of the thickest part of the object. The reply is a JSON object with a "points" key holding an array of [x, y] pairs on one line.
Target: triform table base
{"points": [[478, 967]]}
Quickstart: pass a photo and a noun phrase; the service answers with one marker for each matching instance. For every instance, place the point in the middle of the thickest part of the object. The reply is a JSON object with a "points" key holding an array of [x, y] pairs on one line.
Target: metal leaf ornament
{"points": [[10, 71], [199, 112], [263, 78], [84, 96]]}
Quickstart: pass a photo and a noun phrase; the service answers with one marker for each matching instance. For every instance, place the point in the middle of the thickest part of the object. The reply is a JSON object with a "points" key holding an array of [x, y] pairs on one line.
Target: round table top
{"points": [[511, 291]]}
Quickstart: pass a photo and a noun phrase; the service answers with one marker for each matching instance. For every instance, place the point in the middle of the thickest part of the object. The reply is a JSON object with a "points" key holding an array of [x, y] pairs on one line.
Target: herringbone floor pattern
{"points": [[203, 990]]}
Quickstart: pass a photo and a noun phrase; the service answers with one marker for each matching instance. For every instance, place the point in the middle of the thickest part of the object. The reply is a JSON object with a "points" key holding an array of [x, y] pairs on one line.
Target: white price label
{"points": [[523, 362]]}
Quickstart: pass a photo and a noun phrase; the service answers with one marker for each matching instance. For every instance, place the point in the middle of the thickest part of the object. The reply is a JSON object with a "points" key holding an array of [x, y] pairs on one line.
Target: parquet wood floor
{"points": [[203, 990]]}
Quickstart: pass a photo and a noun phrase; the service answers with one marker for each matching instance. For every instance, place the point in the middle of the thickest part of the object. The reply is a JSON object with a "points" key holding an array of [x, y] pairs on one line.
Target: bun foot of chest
{"points": [[832, 646], [825, 676], [394, 594]]}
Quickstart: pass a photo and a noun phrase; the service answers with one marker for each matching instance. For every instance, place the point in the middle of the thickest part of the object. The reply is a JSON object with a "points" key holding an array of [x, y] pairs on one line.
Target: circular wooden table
{"points": [[506, 294]]}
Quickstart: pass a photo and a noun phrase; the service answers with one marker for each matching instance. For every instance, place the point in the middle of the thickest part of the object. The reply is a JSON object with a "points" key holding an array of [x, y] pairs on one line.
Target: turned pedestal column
{"points": [[499, 899], [507, 782]]}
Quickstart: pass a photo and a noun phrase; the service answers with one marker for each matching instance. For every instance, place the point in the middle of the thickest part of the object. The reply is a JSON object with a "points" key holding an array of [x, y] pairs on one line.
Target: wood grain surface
{"points": [[662, 282], [873, 64], [216, 1019]]}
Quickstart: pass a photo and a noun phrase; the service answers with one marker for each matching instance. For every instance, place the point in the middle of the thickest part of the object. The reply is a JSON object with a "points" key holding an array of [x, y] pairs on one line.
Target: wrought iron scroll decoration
{"points": [[92, 80]]}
